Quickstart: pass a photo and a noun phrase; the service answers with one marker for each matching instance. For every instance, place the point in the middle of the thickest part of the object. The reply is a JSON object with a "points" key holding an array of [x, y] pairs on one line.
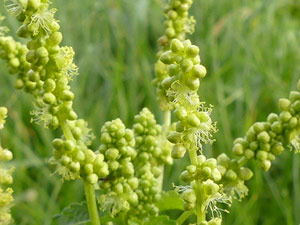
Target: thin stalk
{"points": [[193, 156], [242, 161], [201, 214], [91, 203], [183, 217], [166, 125]]}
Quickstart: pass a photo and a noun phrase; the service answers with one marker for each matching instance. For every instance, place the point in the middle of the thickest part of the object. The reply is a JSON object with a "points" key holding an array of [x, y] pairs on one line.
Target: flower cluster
{"points": [[118, 150], [6, 197], [44, 69], [149, 161], [177, 24]]}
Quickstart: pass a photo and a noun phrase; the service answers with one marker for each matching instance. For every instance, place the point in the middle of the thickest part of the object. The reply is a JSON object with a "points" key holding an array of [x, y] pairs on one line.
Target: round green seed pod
{"points": [[285, 116], [277, 149], [276, 127], [272, 118], [186, 65], [176, 46], [263, 137], [92, 178], [259, 127], [284, 104], [55, 38], [230, 175], [49, 98], [167, 57], [192, 51], [265, 164], [238, 149], [245, 173], [178, 151]]}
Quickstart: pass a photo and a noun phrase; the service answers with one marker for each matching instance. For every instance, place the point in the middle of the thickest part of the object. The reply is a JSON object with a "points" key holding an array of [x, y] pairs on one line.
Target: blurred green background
{"points": [[251, 49]]}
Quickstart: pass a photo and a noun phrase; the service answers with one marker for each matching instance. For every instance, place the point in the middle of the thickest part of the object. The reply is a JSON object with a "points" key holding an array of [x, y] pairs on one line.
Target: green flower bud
{"points": [[212, 163], [277, 149], [186, 65], [193, 120], [173, 70], [105, 138], [88, 169], [49, 85], [284, 104], [92, 178], [55, 38], [230, 175], [263, 137], [277, 127], [186, 177], [178, 151], [192, 51], [42, 52], [211, 188], [112, 154], [258, 127], [167, 57], [174, 137], [296, 105], [265, 164], [294, 96], [253, 145], [262, 155], [67, 95], [31, 56], [69, 145], [272, 118], [180, 113], [176, 46], [5, 155], [33, 4], [189, 195], [238, 149], [193, 84], [49, 98], [249, 154], [245, 173], [223, 160], [285, 116], [198, 71], [216, 175]]}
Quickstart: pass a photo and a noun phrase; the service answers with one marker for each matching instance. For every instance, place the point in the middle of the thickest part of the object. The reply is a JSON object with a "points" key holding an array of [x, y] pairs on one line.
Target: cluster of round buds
{"points": [[193, 128], [148, 142], [6, 197], [179, 73], [233, 176], [118, 150], [177, 22], [177, 25], [151, 156], [265, 140], [14, 53], [44, 68], [205, 169], [74, 160], [148, 193]]}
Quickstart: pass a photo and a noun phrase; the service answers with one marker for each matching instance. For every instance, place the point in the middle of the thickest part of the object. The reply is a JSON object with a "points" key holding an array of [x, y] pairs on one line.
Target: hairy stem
{"points": [[183, 217], [166, 125], [91, 203]]}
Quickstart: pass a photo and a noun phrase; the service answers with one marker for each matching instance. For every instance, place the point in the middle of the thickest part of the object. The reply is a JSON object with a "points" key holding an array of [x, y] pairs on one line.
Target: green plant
{"points": [[128, 166]]}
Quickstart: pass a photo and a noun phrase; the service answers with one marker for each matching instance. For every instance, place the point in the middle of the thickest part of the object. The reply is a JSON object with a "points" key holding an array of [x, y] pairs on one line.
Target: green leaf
{"points": [[74, 214], [160, 220], [170, 200]]}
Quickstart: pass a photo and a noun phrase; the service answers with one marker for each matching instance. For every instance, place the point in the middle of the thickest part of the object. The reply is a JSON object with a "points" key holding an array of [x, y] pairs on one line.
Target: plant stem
{"points": [[66, 130], [165, 129], [201, 214], [193, 156], [183, 217], [242, 161], [91, 203]]}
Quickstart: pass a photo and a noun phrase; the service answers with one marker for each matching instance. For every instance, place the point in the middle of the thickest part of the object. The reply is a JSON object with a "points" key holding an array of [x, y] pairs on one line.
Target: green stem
{"points": [[183, 217], [242, 161], [91, 203], [201, 214], [66, 130], [193, 156], [166, 125]]}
